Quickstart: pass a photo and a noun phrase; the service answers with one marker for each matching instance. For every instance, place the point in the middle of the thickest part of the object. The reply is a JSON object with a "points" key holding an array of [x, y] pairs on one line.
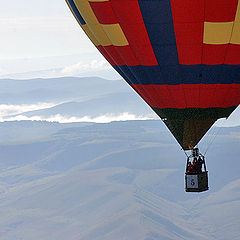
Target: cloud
{"points": [[7, 110], [82, 67], [10, 109], [69, 119]]}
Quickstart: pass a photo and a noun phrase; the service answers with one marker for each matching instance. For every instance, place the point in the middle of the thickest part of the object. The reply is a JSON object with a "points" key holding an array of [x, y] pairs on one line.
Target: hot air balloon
{"points": [[181, 57]]}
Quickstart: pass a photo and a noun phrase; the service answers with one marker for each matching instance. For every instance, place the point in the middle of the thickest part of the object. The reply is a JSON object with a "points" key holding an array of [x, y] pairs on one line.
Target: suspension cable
{"points": [[213, 139], [185, 152]]}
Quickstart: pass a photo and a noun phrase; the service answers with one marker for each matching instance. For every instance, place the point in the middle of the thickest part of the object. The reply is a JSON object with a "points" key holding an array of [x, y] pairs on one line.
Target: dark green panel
{"points": [[189, 132], [194, 130], [194, 113], [189, 125], [176, 127]]}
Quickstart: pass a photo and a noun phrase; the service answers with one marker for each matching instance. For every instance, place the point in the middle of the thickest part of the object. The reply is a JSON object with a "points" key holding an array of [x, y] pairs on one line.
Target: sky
{"points": [[42, 39]]}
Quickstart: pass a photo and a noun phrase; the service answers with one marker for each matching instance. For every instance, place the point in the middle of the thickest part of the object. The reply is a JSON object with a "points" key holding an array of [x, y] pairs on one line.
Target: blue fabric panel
{"points": [[157, 75], [166, 54], [154, 74], [123, 74], [211, 74], [140, 73], [76, 12], [172, 74], [230, 74], [181, 74], [161, 33], [191, 74], [127, 73], [156, 11], [160, 29]]}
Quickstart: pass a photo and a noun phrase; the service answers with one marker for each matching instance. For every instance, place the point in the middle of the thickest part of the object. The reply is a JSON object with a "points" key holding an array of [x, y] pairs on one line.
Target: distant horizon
{"points": [[13, 112]]}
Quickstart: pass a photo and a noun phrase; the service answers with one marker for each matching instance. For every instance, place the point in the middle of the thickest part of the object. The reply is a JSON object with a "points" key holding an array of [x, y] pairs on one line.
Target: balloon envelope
{"points": [[182, 57]]}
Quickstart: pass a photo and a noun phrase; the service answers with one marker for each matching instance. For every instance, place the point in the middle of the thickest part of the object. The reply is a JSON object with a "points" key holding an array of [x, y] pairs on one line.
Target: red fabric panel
{"points": [[233, 54], [144, 54], [146, 95], [127, 10], [158, 95], [111, 54], [129, 17], [178, 95], [192, 94], [206, 95], [127, 55], [188, 19], [189, 38], [118, 55], [221, 95], [214, 54], [197, 95], [103, 12], [220, 10], [189, 33], [102, 50], [233, 97], [187, 11], [161, 95], [190, 54]]}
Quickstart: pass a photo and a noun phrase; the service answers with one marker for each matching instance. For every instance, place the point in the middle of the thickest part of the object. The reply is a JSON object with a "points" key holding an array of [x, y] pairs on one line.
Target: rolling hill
{"points": [[122, 180]]}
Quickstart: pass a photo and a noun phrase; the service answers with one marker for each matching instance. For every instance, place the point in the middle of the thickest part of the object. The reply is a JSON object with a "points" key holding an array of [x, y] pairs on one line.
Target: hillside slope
{"points": [[123, 180]]}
